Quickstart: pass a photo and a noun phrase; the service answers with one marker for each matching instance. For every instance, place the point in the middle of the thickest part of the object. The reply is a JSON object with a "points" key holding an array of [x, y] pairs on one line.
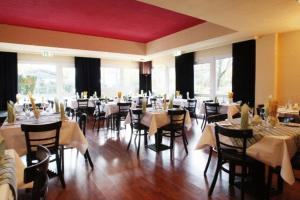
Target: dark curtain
{"points": [[87, 75], [8, 78], [145, 76], [184, 71], [243, 71]]}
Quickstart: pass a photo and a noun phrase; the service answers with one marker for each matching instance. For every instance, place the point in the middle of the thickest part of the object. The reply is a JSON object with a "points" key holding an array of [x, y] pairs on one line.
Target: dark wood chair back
{"points": [[38, 174], [82, 103], [211, 108], [44, 134], [216, 118], [192, 103], [124, 108], [177, 119], [237, 150], [135, 117]]}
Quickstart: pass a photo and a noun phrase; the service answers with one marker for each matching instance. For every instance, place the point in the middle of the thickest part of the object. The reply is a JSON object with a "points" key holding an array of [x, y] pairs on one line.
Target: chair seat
{"points": [[236, 158]]}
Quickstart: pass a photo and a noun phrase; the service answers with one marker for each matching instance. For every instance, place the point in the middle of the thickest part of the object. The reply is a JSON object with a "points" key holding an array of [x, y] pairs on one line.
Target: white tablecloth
{"points": [[70, 134], [111, 108], [273, 146], [155, 119], [5, 191]]}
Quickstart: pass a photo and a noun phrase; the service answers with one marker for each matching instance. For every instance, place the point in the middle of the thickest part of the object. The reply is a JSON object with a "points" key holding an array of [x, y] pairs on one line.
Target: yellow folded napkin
{"points": [[244, 116], [56, 105], [11, 115], [62, 112], [171, 102], [144, 104]]}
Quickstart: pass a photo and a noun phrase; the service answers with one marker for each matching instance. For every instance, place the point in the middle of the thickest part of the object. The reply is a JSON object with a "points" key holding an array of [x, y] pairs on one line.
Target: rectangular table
{"points": [[70, 133], [273, 146], [155, 119]]}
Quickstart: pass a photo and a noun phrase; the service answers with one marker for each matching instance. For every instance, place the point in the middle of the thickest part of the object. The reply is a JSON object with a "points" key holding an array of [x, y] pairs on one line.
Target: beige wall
{"points": [[289, 67], [32, 36], [195, 34], [266, 66]]}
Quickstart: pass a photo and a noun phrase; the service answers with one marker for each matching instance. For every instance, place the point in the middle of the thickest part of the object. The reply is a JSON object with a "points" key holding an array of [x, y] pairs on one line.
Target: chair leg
{"points": [[269, 183], [59, 170], [204, 125], [62, 154], [213, 183], [196, 118], [130, 139], [145, 137], [208, 160], [203, 120], [138, 150], [243, 182], [184, 142], [87, 155], [172, 138]]}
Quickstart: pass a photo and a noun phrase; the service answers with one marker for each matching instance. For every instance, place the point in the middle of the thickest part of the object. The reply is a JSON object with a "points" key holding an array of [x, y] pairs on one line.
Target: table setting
{"points": [[70, 133], [273, 143]]}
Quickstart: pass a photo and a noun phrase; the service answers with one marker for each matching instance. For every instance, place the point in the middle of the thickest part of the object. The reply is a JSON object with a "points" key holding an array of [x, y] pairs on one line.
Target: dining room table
{"points": [[272, 145], [70, 132], [11, 175], [154, 119]]}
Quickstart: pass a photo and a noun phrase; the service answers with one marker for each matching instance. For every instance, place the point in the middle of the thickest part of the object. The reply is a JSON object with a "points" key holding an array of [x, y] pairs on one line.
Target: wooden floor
{"points": [[121, 175]]}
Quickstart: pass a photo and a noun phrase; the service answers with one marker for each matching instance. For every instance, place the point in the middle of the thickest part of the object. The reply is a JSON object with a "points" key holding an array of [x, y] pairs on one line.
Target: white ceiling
{"points": [[252, 16]]}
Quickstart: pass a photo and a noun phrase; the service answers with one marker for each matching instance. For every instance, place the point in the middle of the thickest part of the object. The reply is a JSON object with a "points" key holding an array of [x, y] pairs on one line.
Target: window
{"points": [[114, 79], [37, 79], [163, 80], [47, 77], [223, 76], [213, 77], [202, 79]]}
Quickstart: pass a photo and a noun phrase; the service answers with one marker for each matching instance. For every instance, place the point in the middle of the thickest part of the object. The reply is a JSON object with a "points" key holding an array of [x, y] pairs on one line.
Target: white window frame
{"points": [[213, 87]]}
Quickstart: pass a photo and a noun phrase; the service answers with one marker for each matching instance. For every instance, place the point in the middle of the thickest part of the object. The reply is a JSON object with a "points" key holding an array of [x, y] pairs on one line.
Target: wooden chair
{"points": [[192, 104], [234, 154], [99, 115], [213, 119], [175, 128], [36, 135], [38, 174], [203, 119], [136, 117], [82, 125], [82, 106], [124, 108], [210, 109]]}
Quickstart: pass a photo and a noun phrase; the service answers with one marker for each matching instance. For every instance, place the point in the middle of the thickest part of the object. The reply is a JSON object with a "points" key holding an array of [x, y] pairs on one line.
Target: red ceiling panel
{"points": [[119, 19]]}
